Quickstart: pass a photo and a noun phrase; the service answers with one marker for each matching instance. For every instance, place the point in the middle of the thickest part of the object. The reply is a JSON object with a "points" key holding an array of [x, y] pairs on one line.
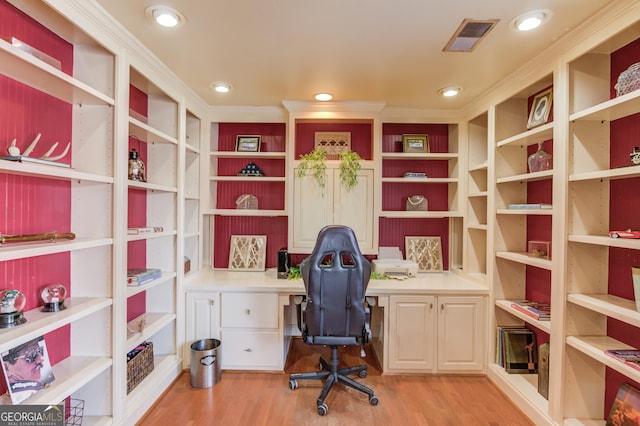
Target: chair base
{"points": [[334, 375]]}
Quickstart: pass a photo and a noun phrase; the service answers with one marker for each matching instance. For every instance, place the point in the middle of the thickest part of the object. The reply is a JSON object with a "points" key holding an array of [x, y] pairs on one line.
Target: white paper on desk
{"points": [[393, 253]]}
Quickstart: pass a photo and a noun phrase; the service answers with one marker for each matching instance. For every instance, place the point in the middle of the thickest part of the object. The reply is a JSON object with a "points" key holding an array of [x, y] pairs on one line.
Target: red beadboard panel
{"points": [[272, 135], [137, 214], [270, 167], [393, 231], [433, 168], [138, 101], [395, 195], [15, 23], [275, 228], [361, 136], [270, 194], [136, 306], [392, 136]]}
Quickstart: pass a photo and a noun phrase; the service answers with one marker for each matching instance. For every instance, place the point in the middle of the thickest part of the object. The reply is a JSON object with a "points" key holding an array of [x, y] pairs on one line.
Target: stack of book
{"points": [[530, 206], [536, 310], [136, 277]]}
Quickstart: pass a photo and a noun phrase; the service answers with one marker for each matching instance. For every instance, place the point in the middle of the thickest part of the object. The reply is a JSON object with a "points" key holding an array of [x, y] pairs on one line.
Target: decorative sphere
{"points": [[11, 301], [54, 293]]}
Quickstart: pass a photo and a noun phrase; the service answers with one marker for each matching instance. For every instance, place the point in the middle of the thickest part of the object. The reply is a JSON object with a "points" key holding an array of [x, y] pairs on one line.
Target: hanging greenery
{"points": [[315, 163], [349, 168]]}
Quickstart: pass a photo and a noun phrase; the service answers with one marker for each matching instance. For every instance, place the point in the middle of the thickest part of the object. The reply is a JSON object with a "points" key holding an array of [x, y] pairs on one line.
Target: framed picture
{"points": [[247, 252], [27, 369], [415, 143], [425, 251], [626, 406], [540, 108], [248, 143]]}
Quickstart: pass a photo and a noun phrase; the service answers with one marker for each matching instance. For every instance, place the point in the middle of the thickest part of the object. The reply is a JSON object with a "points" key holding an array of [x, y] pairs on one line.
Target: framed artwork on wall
{"points": [[249, 143], [540, 108], [425, 251], [247, 252], [415, 143]]}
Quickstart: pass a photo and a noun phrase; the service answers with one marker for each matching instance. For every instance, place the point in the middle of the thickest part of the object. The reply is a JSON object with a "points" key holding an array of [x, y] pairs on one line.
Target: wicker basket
{"points": [[139, 364]]}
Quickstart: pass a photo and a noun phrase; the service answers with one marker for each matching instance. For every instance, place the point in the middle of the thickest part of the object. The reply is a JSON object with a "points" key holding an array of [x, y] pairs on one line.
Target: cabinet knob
{"points": [[248, 350], [213, 302], [248, 311]]}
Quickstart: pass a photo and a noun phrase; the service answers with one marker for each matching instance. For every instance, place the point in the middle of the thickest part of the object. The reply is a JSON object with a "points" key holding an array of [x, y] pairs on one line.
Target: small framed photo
{"points": [[248, 143], [540, 108], [415, 143]]}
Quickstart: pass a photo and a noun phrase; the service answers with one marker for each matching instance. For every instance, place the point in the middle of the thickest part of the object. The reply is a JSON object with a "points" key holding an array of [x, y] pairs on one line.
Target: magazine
{"points": [[27, 369], [630, 357]]}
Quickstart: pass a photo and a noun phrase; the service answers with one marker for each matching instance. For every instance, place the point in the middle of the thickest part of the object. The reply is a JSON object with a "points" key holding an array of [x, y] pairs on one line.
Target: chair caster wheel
{"points": [[362, 374], [373, 400], [293, 384], [322, 409]]}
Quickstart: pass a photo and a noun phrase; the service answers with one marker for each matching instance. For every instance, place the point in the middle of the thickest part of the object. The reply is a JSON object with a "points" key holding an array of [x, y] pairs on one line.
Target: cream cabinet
{"points": [[251, 336], [202, 319], [315, 207], [433, 334]]}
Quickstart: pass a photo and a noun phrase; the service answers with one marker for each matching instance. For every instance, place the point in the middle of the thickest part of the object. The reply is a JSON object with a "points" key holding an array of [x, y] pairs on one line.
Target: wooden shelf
{"points": [[533, 136], [151, 186], [51, 172], [151, 235], [607, 241], [526, 177], [258, 179], [525, 259], [612, 306], [166, 276], [505, 305], [149, 134], [417, 214], [611, 174], [419, 156], [613, 109], [526, 212], [247, 212], [17, 251], [404, 180], [248, 155]]}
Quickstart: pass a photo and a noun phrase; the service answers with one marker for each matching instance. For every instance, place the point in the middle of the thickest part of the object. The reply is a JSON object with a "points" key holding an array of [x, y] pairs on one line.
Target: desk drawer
{"points": [[247, 350], [250, 310]]}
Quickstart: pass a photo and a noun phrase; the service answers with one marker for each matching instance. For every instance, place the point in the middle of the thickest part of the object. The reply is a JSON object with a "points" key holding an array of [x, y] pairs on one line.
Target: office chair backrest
{"points": [[336, 276]]}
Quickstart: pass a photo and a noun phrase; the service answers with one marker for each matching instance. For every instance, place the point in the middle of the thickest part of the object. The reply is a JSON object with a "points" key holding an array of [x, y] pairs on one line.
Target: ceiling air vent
{"points": [[469, 34]]}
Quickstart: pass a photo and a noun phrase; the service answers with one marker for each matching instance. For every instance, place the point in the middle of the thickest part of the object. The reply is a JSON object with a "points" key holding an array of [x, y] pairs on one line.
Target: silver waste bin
{"points": [[205, 363]]}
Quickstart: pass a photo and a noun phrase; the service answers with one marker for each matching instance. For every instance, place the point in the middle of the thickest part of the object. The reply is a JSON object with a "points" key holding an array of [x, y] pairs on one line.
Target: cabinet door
{"points": [[315, 208], [202, 316], [412, 330], [354, 208], [461, 333], [312, 209]]}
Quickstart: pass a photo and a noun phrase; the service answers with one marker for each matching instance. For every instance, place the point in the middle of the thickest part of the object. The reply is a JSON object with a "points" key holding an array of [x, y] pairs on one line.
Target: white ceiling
{"points": [[373, 50]]}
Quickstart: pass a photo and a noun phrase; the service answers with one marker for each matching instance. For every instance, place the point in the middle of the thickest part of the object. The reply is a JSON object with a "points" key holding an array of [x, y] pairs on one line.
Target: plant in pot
{"points": [[315, 163]]}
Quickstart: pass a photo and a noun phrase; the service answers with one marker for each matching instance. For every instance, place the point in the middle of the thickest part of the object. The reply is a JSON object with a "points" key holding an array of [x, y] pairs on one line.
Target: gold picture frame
{"points": [[425, 251], [540, 108], [247, 252], [248, 143], [415, 143]]}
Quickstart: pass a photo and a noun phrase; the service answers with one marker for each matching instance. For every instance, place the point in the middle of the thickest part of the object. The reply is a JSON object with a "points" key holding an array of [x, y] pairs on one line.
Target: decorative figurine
{"points": [[635, 156], [53, 297], [136, 167], [12, 303]]}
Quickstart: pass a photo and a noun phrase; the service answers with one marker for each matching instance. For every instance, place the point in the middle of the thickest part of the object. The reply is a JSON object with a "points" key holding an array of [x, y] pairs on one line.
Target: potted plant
{"points": [[315, 163]]}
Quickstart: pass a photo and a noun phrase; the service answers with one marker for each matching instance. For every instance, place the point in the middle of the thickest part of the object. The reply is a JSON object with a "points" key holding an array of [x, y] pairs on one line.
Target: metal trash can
{"points": [[205, 363]]}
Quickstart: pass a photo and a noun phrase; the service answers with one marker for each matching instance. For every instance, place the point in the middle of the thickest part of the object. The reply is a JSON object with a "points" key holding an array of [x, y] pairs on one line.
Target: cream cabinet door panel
{"points": [[461, 333], [412, 330], [251, 350], [354, 208], [250, 310], [313, 209], [202, 320]]}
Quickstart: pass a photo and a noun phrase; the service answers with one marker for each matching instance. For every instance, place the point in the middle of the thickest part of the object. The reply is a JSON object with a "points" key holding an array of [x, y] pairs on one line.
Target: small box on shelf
{"points": [[540, 249]]}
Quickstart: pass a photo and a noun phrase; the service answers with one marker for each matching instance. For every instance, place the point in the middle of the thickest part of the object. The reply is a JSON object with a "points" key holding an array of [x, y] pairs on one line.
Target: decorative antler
{"points": [[32, 146], [15, 151], [46, 156]]}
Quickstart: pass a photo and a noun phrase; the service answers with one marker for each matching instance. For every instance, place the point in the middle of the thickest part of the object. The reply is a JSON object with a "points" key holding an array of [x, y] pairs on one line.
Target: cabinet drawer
{"points": [[247, 350], [250, 310]]}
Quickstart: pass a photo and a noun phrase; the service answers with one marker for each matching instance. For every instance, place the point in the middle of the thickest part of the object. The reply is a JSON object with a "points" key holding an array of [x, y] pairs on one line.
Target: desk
{"points": [[433, 323]]}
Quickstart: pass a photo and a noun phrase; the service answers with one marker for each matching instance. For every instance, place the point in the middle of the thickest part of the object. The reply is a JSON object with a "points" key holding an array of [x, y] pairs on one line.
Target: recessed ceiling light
{"points": [[165, 16], [221, 87], [531, 20], [450, 91], [323, 97]]}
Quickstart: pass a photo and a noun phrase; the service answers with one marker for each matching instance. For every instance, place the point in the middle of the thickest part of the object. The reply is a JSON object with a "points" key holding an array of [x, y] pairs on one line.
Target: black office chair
{"points": [[334, 311]]}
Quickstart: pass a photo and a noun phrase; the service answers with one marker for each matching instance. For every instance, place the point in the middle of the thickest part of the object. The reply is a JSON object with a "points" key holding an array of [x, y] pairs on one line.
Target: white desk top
{"points": [[425, 283]]}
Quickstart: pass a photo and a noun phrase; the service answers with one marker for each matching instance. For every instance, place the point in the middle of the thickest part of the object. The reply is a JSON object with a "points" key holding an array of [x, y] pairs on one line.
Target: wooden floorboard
{"points": [[263, 398]]}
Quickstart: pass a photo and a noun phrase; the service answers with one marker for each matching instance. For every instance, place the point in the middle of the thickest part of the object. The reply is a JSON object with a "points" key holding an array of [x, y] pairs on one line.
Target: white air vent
{"points": [[469, 34]]}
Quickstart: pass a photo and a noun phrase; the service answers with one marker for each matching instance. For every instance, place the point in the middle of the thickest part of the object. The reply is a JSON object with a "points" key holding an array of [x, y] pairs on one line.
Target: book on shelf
{"points": [[500, 348], [625, 409], [530, 206], [536, 310], [543, 370], [630, 357], [27, 369], [520, 351], [140, 276], [25, 159], [144, 230]]}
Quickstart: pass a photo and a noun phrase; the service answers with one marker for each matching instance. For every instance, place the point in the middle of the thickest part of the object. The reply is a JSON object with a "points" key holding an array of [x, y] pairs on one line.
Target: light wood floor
{"points": [[258, 398]]}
